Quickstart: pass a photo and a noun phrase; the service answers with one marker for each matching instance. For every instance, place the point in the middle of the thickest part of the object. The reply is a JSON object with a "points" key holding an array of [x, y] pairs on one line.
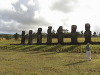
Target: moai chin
{"points": [[39, 36], [23, 37], [60, 34], [30, 37], [73, 34], [49, 35], [87, 33]]}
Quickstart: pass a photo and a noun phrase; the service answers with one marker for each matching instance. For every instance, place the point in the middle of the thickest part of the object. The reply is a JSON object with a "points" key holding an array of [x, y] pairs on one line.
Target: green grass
{"points": [[47, 63], [52, 48], [47, 59], [44, 40]]}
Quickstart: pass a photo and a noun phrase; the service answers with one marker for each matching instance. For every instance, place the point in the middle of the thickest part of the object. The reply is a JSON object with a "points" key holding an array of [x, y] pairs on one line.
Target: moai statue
{"points": [[60, 34], [39, 36], [23, 37], [49, 35], [30, 37], [16, 36], [87, 33], [73, 34]]}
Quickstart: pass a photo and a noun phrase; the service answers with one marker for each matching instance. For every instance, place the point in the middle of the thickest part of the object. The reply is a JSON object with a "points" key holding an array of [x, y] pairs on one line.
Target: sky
{"points": [[19, 15]]}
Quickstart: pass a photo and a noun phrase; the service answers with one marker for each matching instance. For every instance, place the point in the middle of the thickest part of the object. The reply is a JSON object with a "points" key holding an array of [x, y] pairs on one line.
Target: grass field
{"points": [[47, 63], [47, 59]]}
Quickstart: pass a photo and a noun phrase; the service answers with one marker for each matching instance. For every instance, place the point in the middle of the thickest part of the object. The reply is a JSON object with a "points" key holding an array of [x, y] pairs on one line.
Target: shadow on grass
{"points": [[38, 48], [53, 49], [28, 48], [71, 48], [49, 53], [33, 52], [13, 47], [44, 48], [75, 63]]}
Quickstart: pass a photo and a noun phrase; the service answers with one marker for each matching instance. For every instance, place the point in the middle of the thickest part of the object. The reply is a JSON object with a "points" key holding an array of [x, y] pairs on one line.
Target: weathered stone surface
{"points": [[30, 37], [23, 37], [39, 36], [49, 35], [74, 34], [87, 33], [16, 36], [60, 34]]}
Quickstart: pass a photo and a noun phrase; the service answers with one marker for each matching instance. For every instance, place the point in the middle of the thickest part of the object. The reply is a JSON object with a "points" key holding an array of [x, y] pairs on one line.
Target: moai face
{"points": [[49, 29], [39, 30], [87, 26], [60, 29], [73, 28], [23, 33], [30, 31]]}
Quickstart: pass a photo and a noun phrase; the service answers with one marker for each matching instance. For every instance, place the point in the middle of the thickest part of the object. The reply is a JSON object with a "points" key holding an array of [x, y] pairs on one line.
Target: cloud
{"points": [[9, 27], [22, 17], [64, 5], [32, 14]]}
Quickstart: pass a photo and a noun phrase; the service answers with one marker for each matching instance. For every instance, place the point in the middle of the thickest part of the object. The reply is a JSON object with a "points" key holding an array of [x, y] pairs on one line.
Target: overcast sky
{"points": [[18, 15]]}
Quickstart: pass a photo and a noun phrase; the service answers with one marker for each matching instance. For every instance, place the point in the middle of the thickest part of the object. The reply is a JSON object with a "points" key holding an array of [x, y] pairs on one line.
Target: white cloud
{"points": [[23, 7], [6, 4], [64, 5], [31, 3], [31, 14], [24, 17]]}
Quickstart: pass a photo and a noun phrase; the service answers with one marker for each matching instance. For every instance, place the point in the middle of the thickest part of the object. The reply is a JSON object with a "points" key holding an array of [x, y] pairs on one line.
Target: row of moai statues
{"points": [[60, 36]]}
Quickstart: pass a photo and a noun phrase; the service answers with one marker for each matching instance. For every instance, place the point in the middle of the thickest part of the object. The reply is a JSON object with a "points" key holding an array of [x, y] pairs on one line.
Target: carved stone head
{"points": [[49, 29], [73, 28], [23, 33], [87, 26], [60, 29], [30, 31], [39, 30]]}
